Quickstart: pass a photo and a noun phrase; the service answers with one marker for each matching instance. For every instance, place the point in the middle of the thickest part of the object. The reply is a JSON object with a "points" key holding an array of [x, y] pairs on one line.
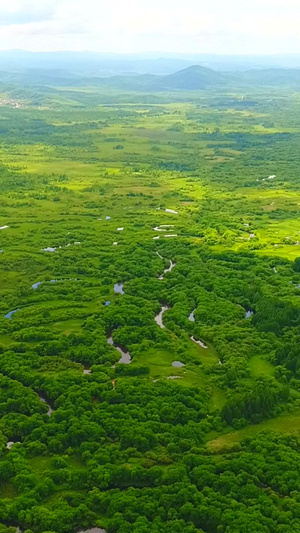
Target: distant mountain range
{"points": [[192, 78], [197, 78], [102, 65]]}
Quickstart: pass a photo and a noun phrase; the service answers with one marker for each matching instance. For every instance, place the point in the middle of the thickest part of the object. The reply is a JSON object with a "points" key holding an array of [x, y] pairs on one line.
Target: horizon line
{"points": [[149, 53]]}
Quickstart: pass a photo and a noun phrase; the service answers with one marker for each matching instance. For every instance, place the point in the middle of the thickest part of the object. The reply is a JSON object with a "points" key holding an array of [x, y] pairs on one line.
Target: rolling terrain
{"points": [[192, 78]]}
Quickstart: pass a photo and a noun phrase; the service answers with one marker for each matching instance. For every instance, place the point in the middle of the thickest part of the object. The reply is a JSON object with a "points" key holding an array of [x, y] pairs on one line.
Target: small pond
{"points": [[118, 288], [178, 364], [49, 249], [172, 211]]}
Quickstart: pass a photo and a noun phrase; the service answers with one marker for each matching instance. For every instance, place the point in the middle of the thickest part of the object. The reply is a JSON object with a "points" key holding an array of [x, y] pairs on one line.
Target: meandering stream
{"points": [[50, 410], [169, 269], [159, 317], [38, 283], [11, 443], [9, 315], [94, 530], [200, 343], [125, 355], [159, 321], [49, 413], [192, 316]]}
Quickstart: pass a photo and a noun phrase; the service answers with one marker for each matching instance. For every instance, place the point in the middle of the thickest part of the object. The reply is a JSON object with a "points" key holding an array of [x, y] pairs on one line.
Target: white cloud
{"points": [[25, 11], [259, 26]]}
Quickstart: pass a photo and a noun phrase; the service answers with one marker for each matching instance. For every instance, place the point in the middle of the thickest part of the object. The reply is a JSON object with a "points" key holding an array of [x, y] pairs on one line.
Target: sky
{"points": [[174, 26]]}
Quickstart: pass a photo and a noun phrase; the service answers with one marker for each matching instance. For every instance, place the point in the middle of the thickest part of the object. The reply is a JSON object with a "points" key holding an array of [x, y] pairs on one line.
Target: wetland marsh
{"points": [[163, 228]]}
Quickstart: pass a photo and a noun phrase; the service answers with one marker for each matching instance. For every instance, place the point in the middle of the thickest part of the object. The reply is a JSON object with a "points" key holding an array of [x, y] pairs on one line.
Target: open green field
{"points": [[287, 423]]}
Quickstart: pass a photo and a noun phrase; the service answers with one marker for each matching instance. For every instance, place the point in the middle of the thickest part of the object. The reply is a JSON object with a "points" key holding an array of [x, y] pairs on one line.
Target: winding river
{"points": [[11, 443], [125, 356], [159, 321], [169, 269], [248, 311], [192, 316], [159, 317], [9, 315], [38, 283], [200, 343], [50, 409], [94, 530]]}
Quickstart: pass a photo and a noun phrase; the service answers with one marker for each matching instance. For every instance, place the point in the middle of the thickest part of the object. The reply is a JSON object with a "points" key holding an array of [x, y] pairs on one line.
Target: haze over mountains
{"points": [[193, 78], [96, 64], [146, 73]]}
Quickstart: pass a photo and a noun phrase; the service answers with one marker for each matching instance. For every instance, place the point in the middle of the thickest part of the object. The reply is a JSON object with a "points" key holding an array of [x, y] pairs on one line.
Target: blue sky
{"points": [[178, 26]]}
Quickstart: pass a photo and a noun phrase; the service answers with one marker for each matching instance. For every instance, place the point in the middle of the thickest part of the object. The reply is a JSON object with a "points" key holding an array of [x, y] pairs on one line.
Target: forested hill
{"points": [[192, 78]]}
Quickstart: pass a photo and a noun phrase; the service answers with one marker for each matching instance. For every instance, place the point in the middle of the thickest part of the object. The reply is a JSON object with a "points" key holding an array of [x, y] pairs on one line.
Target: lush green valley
{"points": [[150, 309]]}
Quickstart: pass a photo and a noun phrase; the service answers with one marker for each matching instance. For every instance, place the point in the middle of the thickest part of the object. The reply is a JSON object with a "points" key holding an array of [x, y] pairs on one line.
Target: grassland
{"points": [[287, 423]]}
